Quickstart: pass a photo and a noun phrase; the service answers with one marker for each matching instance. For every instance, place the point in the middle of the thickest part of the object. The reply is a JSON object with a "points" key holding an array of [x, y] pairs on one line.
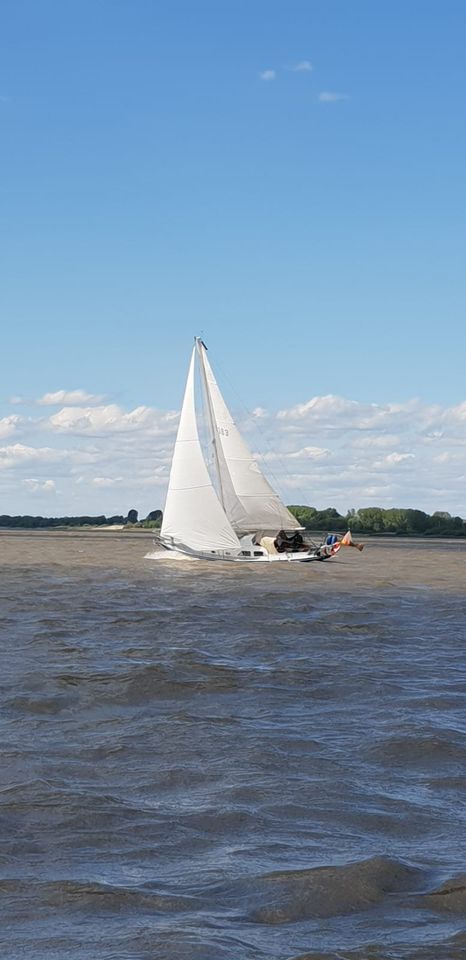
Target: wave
{"points": [[453, 948], [91, 895], [333, 890], [437, 746], [450, 897], [185, 676]]}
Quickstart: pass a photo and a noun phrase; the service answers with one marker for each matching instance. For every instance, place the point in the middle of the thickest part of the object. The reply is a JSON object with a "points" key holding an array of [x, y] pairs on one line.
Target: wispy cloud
{"points": [[303, 66], [268, 75], [393, 458], [68, 398], [327, 96], [39, 486], [106, 481], [110, 418], [17, 454], [329, 407], [9, 425]]}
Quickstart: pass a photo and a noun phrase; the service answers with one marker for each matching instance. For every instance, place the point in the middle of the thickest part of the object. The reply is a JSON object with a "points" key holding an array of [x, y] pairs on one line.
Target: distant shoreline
{"points": [[83, 532], [384, 523], [142, 532]]}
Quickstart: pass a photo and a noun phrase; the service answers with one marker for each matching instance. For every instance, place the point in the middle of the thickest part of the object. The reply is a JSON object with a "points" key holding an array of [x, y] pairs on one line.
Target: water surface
{"points": [[209, 762]]}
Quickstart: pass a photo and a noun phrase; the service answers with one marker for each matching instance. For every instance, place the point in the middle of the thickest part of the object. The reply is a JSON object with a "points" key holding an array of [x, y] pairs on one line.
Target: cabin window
{"points": [[257, 553], [245, 553]]}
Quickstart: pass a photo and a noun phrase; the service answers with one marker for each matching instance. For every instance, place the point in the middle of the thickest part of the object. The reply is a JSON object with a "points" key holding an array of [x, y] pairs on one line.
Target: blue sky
{"points": [[166, 169]]}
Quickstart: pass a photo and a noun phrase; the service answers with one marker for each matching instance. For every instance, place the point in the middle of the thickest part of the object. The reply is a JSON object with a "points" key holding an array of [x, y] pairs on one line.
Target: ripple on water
{"points": [[207, 765]]}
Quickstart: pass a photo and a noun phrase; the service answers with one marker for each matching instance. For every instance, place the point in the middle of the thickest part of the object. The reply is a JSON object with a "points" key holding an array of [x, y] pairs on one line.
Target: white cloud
{"points": [[458, 412], [393, 459], [310, 453], [305, 453], [445, 457], [105, 481], [39, 486], [14, 456], [319, 408], [326, 450], [326, 96], [378, 491], [9, 425], [303, 66], [376, 441], [268, 75], [110, 419], [68, 397], [18, 453]]}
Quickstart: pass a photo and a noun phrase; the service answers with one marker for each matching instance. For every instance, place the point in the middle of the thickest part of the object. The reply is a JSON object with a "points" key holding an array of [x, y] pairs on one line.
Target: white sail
{"points": [[193, 516], [250, 502]]}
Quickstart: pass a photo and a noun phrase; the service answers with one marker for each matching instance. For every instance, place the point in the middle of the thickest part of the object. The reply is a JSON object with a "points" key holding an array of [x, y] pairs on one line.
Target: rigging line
{"points": [[264, 438]]}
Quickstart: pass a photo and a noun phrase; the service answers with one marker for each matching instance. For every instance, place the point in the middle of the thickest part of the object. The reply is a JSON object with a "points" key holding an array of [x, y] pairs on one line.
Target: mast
{"points": [[201, 347]]}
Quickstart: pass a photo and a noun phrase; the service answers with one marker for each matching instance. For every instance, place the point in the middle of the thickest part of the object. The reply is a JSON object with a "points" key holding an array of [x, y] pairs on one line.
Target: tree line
{"points": [[379, 521], [27, 522], [374, 521]]}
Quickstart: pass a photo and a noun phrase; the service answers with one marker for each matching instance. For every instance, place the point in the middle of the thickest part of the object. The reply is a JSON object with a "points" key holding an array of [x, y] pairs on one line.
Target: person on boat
{"points": [[331, 539], [289, 543], [281, 542], [329, 547], [298, 542], [347, 541], [333, 542]]}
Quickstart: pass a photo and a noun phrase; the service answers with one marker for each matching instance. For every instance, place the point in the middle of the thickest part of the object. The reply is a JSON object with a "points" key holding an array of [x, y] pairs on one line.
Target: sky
{"points": [[285, 179]]}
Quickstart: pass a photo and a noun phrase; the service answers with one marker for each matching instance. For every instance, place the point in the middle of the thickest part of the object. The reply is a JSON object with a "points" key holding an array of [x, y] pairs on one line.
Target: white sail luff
{"points": [[193, 515], [250, 502]]}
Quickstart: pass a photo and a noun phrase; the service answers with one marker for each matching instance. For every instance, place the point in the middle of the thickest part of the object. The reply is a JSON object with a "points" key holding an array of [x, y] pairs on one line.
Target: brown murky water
{"points": [[231, 763]]}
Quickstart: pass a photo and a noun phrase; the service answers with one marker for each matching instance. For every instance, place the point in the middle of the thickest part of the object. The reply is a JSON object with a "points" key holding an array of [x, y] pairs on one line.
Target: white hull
{"points": [[164, 551]]}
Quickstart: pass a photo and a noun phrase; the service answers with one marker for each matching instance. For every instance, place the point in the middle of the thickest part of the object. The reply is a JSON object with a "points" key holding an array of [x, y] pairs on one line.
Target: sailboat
{"points": [[230, 512]]}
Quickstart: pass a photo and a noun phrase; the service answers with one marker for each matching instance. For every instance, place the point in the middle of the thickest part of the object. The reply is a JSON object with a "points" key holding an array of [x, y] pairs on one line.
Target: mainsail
{"points": [[249, 501], [194, 516]]}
